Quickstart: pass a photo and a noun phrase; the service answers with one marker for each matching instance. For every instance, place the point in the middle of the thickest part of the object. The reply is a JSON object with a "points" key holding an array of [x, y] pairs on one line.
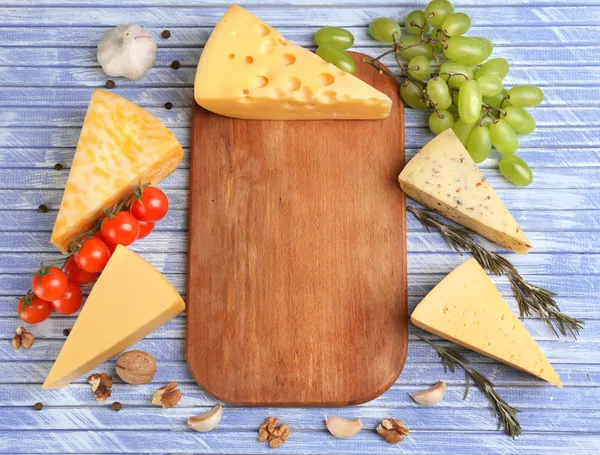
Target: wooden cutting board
{"points": [[297, 292]]}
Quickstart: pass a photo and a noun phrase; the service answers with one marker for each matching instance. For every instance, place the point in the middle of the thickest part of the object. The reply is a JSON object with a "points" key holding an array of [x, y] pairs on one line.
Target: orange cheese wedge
{"points": [[120, 145]]}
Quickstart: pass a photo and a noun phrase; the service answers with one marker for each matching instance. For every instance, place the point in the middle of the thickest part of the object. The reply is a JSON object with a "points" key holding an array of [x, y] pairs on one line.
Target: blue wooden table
{"points": [[48, 68]]}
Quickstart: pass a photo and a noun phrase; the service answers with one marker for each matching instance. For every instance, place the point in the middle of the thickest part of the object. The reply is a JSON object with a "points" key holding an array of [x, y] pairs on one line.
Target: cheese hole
{"points": [[249, 60], [245, 92], [344, 97], [288, 59], [293, 84], [276, 93], [326, 79], [231, 56], [342, 73], [372, 101], [261, 30], [328, 96], [267, 48], [305, 94], [288, 106], [282, 42], [260, 81]]}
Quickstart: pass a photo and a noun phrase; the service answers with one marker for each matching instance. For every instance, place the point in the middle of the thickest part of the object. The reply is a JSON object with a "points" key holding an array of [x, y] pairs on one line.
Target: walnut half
{"points": [[167, 396], [101, 384], [392, 430], [274, 433]]}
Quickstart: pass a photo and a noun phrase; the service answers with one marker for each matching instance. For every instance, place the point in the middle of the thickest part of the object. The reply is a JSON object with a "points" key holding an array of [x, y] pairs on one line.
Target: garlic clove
{"points": [[431, 396], [343, 428], [207, 421]]}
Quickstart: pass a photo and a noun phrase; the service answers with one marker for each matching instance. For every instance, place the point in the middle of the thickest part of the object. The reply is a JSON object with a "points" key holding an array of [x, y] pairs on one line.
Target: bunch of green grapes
{"points": [[466, 91]]}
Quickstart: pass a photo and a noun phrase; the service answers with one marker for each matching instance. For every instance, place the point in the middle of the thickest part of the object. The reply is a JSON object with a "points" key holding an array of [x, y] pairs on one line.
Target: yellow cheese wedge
{"points": [[248, 70], [130, 299], [467, 309], [444, 177], [120, 145]]}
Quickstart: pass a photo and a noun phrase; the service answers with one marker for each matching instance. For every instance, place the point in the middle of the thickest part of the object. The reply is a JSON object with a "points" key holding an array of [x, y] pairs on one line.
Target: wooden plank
{"points": [[441, 443], [415, 374], [183, 96], [61, 57], [494, 16], [161, 77], [54, 36], [559, 351], [242, 419]]}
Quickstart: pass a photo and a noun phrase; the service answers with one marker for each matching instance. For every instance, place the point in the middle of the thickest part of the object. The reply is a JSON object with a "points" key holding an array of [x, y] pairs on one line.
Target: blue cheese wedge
{"points": [[467, 309], [444, 177]]}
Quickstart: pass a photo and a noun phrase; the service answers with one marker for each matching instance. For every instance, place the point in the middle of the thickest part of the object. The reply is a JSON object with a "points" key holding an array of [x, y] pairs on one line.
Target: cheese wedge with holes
{"points": [[248, 70], [130, 300], [120, 145], [467, 309], [444, 177]]}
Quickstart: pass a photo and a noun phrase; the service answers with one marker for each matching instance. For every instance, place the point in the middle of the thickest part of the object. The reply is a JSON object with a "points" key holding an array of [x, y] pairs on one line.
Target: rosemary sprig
{"points": [[532, 299], [507, 415]]}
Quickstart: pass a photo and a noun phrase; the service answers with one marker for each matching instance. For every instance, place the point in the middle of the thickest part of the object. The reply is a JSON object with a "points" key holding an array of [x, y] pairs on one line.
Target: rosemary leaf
{"points": [[507, 415], [531, 299]]}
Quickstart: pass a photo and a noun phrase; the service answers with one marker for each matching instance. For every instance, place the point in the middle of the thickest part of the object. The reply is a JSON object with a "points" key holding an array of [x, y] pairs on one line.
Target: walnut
{"points": [[22, 338], [274, 433], [101, 384], [136, 367], [167, 396], [392, 430]]}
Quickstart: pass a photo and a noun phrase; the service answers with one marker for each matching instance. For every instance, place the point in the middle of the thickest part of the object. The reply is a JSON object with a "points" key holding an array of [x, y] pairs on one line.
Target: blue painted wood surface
{"points": [[47, 71]]}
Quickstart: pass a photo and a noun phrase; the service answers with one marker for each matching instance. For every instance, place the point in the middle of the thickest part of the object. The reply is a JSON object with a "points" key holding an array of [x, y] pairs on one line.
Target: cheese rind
{"points": [[120, 145], [248, 70], [444, 177], [130, 300], [467, 309]]}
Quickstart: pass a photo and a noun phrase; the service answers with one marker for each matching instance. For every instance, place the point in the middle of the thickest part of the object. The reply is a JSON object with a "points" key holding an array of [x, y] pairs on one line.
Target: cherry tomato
{"points": [[49, 283], [93, 255], [76, 275], [111, 246], [70, 302], [152, 205], [33, 310], [122, 229], [146, 227]]}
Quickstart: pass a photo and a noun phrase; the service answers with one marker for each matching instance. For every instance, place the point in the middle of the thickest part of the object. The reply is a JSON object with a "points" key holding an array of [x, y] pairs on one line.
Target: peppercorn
{"points": [[166, 34], [43, 208], [66, 332], [110, 83], [116, 406], [168, 105], [58, 167], [38, 406], [175, 64]]}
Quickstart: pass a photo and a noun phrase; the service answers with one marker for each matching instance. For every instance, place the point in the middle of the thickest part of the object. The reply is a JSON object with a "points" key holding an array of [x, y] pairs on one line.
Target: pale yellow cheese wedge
{"points": [[120, 145], [467, 309], [248, 70], [444, 177], [130, 300]]}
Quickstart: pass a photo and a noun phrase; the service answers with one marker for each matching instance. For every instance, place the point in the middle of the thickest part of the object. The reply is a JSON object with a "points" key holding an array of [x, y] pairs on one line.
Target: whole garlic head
{"points": [[127, 50]]}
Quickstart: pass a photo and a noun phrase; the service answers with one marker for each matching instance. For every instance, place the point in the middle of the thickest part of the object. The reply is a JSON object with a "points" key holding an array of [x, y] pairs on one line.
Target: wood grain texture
{"points": [[297, 257]]}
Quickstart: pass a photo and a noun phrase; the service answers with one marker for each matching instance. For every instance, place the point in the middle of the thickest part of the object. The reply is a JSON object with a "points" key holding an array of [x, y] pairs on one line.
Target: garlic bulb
{"points": [[127, 50]]}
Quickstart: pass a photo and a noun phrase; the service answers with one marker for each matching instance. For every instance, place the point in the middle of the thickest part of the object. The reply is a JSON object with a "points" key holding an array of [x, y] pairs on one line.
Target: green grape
{"points": [[469, 101], [519, 119], [495, 101], [525, 95], [463, 130], [439, 93], [417, 18], [504, 137], [437, 11], [496, 66], [465, 50], [487, 44], [490, 84], [479, 144], [440, 121], [419, 67], [335, 36], [412, 94], [338, 57], [515, 170], [456, 24], [383, 29], [426, 50], [452, 67]]}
